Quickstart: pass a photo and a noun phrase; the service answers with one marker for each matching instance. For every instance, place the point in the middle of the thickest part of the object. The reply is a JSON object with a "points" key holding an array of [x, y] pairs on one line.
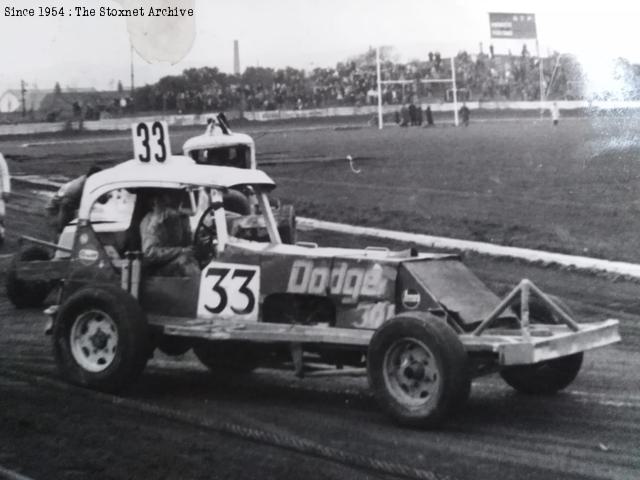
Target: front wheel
{"points": [[417, 368], [101, 339], [544, 378]]}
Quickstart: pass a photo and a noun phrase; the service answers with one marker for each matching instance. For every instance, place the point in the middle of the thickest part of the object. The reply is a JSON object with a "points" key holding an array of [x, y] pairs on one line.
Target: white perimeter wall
{"points": [[187, 120]]}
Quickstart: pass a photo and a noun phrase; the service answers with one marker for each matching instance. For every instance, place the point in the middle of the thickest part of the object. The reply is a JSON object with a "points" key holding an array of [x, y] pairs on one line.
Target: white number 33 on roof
{"points": [[151, 141]]}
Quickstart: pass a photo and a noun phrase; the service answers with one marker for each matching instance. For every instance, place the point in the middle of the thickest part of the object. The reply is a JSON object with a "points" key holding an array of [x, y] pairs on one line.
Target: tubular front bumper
{"points": [[542, 342], [533, 343]]}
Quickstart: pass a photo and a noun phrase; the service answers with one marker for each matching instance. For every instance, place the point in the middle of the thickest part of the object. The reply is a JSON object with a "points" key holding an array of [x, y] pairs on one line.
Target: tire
{"points": [[173, 346], [237, 202], [227, 359], [423, 346], [119, 335], [287, 224], [27, 293], [540, 313], [544, 378]]}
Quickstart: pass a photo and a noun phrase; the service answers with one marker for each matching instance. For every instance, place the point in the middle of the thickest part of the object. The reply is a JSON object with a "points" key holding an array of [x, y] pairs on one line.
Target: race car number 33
{"points": [[229, 290], [151, 142]]}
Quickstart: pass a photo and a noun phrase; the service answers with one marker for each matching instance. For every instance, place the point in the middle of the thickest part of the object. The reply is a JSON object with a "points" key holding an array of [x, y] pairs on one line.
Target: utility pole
{"points": [[379, 80], [23, 92], [236, 57], [456, 122], [132, 83], [541, 79]]}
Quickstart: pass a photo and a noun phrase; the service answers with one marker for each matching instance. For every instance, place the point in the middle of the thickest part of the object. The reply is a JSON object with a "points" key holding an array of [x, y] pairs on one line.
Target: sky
{"points": [[95, 51]]}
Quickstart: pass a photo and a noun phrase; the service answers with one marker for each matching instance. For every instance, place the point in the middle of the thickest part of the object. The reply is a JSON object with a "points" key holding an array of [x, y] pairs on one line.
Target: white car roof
{"points": [[215, 138], [175, 172]]}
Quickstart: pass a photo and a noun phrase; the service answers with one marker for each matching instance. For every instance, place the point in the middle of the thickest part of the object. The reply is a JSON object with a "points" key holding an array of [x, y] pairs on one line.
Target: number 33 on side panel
{"points": [[229, 290]]}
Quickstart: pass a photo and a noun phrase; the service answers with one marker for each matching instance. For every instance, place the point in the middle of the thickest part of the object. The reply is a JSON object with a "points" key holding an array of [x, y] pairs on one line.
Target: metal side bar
{"points": [[229, 329], [130, 271], [37, 241]]}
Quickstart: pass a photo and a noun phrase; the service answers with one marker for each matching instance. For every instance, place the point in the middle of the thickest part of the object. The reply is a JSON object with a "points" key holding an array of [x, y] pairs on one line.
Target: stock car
{"points": [[218, 145], [420, 325]]}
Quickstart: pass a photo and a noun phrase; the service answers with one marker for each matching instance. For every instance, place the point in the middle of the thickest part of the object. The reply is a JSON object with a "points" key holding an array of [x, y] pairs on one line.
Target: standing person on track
{"points": [[404, 116], [465, 114], [412, 114], [64, 204], [5, 190], [555, 114], [429, 116]]}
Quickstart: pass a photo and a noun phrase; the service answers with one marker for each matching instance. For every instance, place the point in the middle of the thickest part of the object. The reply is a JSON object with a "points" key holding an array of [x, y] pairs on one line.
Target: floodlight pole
{"points": [[455, 91], [132, 75], [380, 121], [541, 78], [553, 76]]}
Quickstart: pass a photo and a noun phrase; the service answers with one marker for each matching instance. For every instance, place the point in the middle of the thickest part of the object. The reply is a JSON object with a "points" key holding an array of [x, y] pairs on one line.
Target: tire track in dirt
{"points": [[288, 442]]}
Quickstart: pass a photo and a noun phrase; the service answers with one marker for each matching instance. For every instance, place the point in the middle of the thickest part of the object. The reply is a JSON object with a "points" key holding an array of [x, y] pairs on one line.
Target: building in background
{"points": [[11, 100], [64, 104]]}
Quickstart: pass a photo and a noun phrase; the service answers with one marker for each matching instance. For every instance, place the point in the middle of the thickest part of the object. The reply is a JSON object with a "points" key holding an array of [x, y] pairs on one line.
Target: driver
{"points": [[165, 235]]}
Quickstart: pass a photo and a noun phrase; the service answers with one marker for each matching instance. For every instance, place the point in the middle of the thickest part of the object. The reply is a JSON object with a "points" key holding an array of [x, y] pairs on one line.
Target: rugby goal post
{"points": [[451, 81]]}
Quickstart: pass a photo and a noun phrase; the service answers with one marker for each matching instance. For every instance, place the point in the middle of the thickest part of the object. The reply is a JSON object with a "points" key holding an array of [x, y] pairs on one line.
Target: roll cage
{"points": [[177, 172]]}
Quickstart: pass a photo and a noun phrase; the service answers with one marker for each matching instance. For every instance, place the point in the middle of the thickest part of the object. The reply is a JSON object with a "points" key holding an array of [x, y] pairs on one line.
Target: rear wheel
{"points": [[237, 202], [173, 346], [540, 313], [544, 378], [417, 369], [27, 293], [227, 359], [101, 339], [551, 376]]}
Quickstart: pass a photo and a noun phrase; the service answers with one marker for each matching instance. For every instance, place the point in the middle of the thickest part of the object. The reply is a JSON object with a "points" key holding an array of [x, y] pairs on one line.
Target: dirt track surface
{"points": [[522, 182], [178, 423]]}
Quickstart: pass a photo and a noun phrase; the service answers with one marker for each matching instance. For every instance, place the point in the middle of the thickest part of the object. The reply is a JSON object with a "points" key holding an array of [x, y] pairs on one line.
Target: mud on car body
{"points": [[421, 325]]}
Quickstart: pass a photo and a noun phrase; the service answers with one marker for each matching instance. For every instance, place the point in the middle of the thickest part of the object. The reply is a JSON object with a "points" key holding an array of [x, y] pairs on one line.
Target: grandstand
{"points": [[482, 77]]}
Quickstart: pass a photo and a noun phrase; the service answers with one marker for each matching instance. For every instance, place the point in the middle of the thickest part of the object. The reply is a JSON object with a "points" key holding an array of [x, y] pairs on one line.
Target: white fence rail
{"points": [[264, 116]]}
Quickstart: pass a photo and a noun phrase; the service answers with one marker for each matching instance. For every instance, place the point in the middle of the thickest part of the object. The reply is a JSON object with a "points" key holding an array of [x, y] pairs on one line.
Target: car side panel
{"points": [[362, 290], [90, 264]]}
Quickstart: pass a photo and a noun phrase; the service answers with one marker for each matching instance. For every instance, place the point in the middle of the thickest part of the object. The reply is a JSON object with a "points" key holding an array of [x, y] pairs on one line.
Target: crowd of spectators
{"points": [[479, 77]]}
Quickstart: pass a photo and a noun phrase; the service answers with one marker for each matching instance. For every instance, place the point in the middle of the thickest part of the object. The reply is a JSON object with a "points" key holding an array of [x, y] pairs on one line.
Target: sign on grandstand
{"points": [[512, 25]]}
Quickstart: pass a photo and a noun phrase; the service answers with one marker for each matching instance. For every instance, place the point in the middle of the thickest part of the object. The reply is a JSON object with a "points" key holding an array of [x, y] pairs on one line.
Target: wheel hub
{"points": [[415, 372], [99, 340], [94, 340], [411, 372]]}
